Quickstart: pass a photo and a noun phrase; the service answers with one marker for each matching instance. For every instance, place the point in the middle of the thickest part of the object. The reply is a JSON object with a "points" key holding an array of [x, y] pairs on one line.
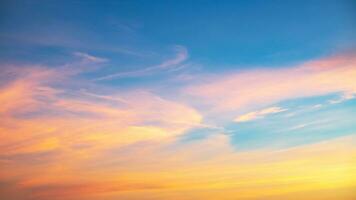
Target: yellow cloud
{"points": [[213, 172]]}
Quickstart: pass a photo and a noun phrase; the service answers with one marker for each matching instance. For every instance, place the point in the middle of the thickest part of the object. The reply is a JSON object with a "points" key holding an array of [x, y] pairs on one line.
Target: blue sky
{"points": [[132, 33]]}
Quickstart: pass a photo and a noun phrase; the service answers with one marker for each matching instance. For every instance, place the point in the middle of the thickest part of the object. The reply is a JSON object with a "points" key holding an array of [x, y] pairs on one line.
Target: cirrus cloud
{"points": [[258, 114]]}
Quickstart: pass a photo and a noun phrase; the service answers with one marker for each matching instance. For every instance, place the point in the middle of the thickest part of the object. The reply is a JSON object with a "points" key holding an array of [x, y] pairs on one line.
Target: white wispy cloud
{"points": [[344, 97], [90, 58], [258, 114], [180, 57], [309, 124]]}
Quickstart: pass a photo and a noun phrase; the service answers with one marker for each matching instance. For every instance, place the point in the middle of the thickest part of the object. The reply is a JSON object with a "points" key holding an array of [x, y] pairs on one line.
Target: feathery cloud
{"points": [[180, 57]]}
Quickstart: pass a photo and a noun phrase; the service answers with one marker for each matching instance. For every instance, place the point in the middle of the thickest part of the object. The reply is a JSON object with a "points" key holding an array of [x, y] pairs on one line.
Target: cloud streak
{"points": [[258, 114], [90, 58], [180, 57]]}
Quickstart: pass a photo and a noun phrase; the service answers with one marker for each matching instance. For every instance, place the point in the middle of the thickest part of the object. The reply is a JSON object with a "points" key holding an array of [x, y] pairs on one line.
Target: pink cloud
{"points": [[261, 87]]}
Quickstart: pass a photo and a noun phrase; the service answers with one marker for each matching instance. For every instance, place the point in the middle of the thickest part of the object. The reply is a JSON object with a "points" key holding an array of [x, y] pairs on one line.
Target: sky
{"points": [[177, 100]]}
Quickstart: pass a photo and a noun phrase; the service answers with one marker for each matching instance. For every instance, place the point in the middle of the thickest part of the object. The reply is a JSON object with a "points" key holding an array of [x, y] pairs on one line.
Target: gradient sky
{"points": [[177, 100]]}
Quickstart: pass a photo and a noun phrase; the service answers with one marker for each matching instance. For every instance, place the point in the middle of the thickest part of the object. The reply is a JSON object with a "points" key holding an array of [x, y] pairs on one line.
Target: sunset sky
{"points": [[177, 100]]}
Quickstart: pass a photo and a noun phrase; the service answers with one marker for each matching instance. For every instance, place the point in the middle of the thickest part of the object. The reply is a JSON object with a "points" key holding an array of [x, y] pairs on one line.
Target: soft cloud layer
{"points": [[64, 137], [192, 171], [42, 117]]}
